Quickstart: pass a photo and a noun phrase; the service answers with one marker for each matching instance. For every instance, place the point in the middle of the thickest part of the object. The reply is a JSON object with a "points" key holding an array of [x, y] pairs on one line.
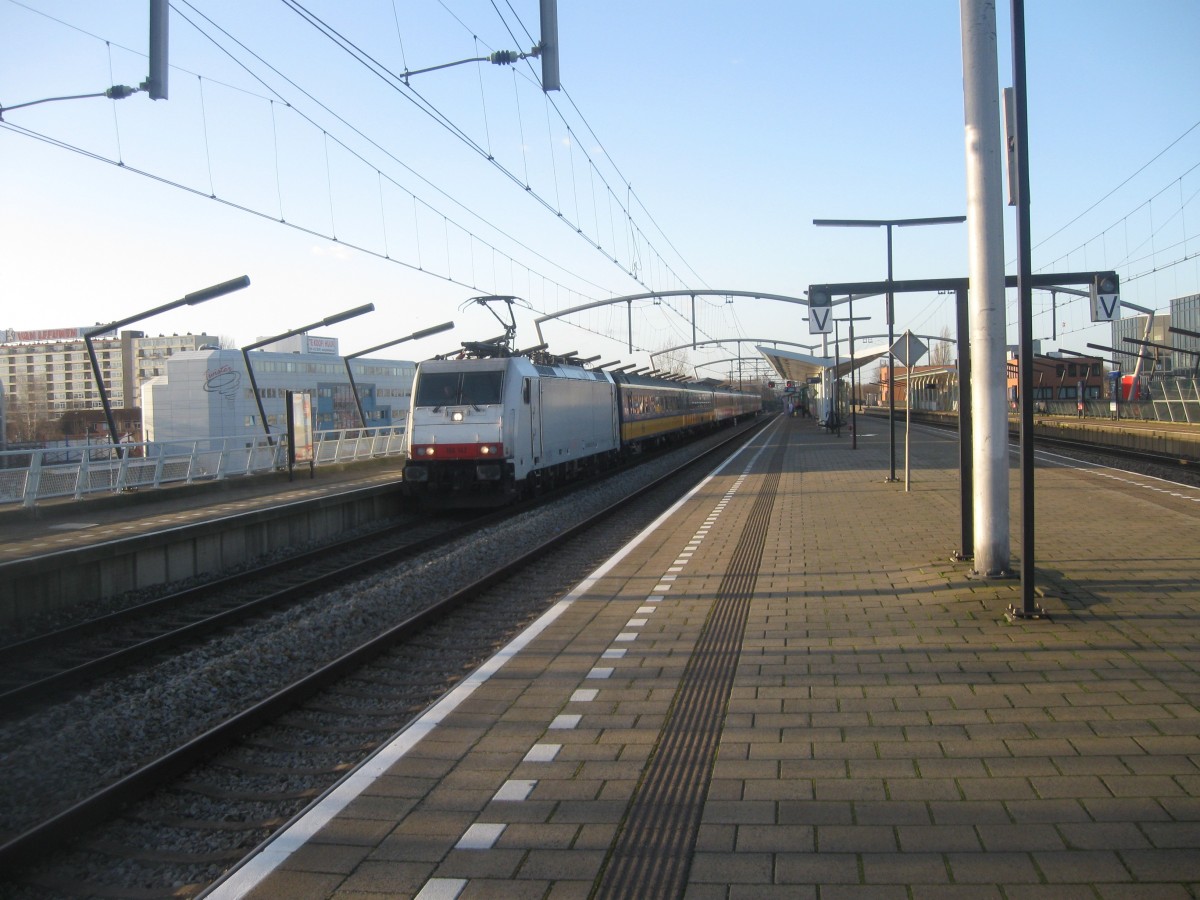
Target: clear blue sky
{"points": [[713, 133]]}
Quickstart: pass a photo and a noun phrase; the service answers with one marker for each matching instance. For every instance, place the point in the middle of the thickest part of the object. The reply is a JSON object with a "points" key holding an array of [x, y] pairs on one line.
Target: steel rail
{"points": [[107, 802], [15, 699], [1163, 459]]}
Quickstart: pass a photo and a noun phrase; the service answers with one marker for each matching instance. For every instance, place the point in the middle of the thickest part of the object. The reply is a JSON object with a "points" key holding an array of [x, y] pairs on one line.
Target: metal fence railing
{"points": [[30, 476], [1162, 398], [1169, 398], [1176, 399]]}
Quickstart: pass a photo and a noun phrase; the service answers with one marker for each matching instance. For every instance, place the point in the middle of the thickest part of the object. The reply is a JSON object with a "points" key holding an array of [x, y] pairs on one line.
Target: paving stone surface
{"points": [[889, 732]]}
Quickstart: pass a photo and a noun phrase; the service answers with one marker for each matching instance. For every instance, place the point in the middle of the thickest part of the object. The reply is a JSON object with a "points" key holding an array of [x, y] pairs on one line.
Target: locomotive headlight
{"points": [[456, 416]]}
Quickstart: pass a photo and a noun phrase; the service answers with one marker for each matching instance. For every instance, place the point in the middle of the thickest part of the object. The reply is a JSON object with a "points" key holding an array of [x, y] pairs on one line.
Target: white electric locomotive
{"points": [[482, 431]]}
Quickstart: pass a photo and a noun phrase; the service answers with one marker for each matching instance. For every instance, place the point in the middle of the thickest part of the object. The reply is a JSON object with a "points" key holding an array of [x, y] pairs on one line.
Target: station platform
{"points": [[785, 687], [65, 554], [55, 526]]}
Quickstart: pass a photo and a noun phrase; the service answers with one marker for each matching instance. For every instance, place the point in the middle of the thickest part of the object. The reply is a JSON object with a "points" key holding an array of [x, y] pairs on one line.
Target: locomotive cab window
{"points": [[482, 388], [459, 388], [438, 388]]}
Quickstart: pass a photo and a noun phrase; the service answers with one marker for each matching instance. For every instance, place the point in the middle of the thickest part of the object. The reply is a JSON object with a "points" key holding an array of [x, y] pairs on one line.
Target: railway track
{"points": [[210, 817], [1159, 464], [68, 659], [58, 662], [1166, 460]]}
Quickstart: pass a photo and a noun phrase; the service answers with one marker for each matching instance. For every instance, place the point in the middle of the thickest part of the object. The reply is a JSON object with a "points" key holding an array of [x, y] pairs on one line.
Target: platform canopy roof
{"points": [[799, 367], [925, 374]]}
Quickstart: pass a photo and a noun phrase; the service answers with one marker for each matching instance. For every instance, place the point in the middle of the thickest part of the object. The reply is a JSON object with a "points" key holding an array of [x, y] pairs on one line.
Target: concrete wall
{"points": [[59, 580]]}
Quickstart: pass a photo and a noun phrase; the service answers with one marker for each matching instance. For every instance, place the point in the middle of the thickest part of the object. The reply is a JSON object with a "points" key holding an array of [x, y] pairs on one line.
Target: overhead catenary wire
{"points": [[116, 118], [1141, 169], [600, 144], [1123, 220], [56, 142], [1130, 257], [406, 90], [399, 35], [365, 137], [650, 263], [574, 142]]}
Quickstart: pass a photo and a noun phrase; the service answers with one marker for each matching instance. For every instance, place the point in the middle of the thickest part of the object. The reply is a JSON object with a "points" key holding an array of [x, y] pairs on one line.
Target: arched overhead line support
{"points": [[694, 344], [740, 360], [654, 295]]}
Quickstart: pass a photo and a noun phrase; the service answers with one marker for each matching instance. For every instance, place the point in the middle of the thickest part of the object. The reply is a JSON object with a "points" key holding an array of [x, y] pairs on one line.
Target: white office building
{"points": [[208, 393]]}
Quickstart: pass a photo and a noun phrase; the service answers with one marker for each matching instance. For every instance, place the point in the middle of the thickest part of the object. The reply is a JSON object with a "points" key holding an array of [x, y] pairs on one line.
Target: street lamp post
{"points": [[415, 336], [891, 318], [330, 320], [200, 296], [853, 410]]}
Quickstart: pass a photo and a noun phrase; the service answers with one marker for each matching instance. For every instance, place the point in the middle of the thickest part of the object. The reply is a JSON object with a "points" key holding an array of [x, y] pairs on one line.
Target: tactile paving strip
{"points": [[652, 852]]}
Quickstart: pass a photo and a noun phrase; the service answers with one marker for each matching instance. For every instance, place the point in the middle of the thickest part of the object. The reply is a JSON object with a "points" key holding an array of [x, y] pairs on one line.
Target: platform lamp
{"points": [[330, 320], [891, 317], [208, 293], [415, 336]]}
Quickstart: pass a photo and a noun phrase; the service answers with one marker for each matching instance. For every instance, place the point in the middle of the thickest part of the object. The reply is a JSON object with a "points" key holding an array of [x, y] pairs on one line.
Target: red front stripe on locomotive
{"points": [[455, 451]]}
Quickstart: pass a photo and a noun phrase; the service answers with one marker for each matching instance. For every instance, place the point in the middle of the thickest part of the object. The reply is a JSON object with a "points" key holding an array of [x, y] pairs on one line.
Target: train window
{"points": [[459, 388], [482, 388], [437, 388]]}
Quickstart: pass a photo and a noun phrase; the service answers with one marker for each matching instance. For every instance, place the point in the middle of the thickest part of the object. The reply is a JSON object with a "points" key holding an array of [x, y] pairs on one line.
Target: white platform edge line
{"points": [[261, 863]]}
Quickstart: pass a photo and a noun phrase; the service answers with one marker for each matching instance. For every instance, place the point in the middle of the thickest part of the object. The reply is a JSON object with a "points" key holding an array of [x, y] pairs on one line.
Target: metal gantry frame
{"points": [[889, 224], [959, 286]]}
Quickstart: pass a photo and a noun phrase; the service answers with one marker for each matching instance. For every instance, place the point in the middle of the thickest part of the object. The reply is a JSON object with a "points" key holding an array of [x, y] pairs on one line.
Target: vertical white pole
{"points": [[907, 400], [985, 230]]}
